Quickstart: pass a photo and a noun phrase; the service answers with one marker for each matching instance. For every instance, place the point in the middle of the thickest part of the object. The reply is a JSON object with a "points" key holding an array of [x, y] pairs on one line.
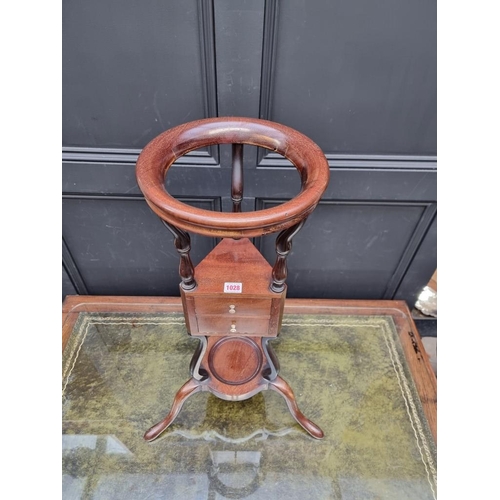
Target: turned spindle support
{"points": [[237, 177], [283, 248], [182, 242]]}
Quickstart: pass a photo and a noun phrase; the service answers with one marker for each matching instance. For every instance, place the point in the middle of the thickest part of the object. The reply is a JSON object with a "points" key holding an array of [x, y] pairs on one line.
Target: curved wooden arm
{"points": [[158, 156]]}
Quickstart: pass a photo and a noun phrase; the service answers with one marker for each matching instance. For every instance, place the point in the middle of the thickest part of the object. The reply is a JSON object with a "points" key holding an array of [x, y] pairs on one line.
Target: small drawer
{"points": [[232, 306], [237, 325]]}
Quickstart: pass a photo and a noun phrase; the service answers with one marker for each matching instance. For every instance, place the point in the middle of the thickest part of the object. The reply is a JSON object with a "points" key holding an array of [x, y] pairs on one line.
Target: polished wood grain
{"points": [[427, 383], [254, 311], [159, 155], [235, 360], [418, 361], [234, 261], [232, 305], [240, 325]]}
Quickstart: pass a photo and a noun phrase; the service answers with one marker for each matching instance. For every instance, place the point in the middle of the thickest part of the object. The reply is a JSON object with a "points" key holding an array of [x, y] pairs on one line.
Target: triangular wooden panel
{"points": [[235, 261]]}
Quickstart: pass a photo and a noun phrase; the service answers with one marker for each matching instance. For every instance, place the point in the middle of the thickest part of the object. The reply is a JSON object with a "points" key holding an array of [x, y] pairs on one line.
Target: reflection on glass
{"points": [[121, 372]]}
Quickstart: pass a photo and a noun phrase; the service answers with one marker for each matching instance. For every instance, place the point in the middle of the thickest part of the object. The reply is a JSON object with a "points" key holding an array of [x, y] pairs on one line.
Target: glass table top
{"points": [[349, 375]]}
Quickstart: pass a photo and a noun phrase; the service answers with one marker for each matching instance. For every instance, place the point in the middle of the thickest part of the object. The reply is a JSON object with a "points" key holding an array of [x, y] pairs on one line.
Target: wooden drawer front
{"points": [[222, 325], [242, 306]]}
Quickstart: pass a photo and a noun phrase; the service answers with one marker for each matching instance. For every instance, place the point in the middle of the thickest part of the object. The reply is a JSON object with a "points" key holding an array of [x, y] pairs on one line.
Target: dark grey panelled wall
{"points": [[356, 76]]}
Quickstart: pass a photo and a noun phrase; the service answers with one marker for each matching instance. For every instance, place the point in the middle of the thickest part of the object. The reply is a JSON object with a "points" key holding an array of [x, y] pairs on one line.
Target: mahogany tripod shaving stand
{"points": [[233, 300]]}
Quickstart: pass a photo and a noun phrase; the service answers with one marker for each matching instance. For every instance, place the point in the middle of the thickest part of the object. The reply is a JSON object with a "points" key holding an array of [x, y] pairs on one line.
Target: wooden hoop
{"points": [[159, 155]]}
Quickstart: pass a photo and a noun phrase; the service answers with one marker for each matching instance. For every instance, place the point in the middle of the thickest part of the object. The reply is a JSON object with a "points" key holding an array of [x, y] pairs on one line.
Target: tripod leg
{"points": [[190, 387], [280, 386]]}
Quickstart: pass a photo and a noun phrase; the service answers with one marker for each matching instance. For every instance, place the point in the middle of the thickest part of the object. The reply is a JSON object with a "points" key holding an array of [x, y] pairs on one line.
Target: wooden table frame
{"points": [[416, 357]]}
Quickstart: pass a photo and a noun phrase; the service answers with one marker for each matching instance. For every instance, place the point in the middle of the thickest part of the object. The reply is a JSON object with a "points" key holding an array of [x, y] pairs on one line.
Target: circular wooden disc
{"points": [[235, 361]]}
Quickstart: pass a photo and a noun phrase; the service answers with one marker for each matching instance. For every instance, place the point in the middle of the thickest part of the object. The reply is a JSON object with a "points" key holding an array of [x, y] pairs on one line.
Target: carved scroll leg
{"points": [[190, 387], [273, 365], [282, 387]]}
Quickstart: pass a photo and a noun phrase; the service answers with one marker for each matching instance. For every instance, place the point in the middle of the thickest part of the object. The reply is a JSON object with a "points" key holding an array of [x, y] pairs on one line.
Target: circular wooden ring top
{"points": [[159, 155]]}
